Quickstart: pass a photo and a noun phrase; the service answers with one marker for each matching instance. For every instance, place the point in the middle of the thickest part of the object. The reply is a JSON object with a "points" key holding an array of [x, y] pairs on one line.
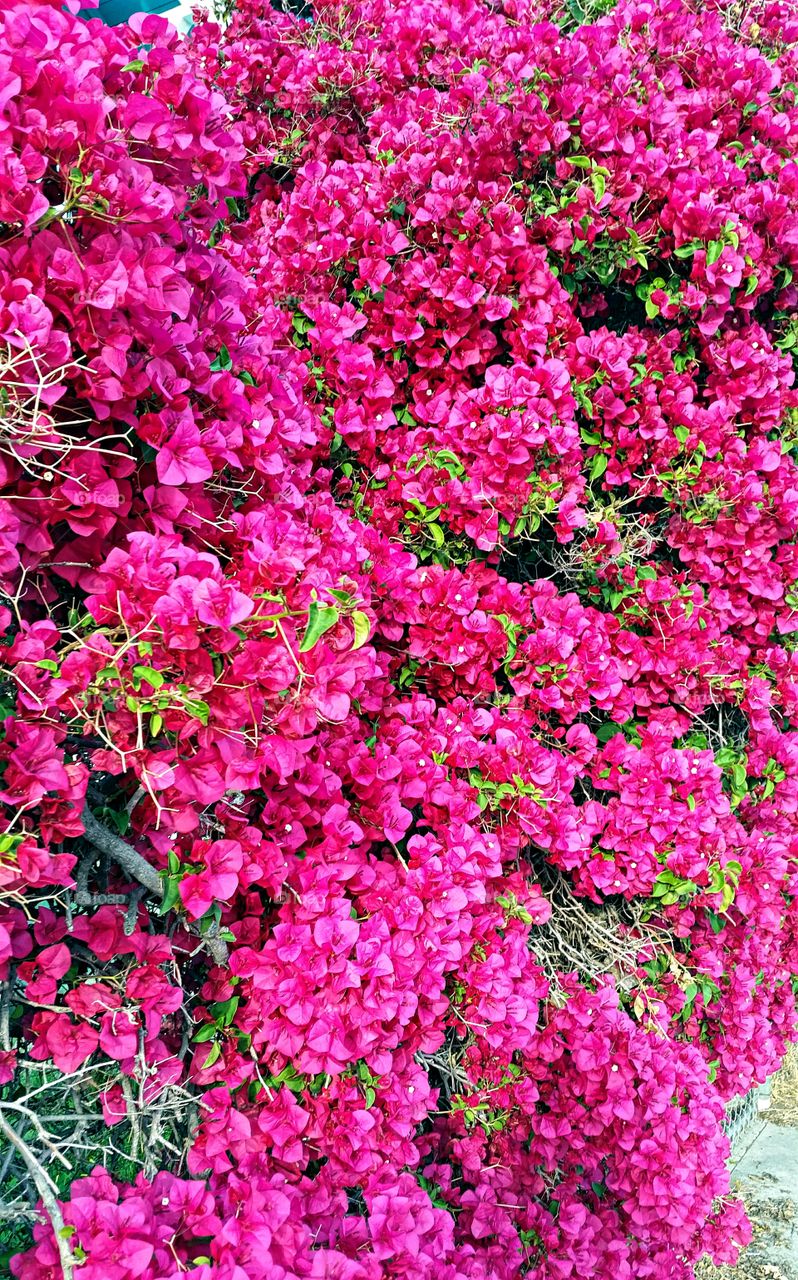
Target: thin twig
{"points": [[33, 1119]]}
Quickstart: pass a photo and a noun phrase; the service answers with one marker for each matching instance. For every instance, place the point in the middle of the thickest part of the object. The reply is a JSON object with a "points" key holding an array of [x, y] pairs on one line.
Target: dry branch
{"points": [[47, 1192], [582, 937]]}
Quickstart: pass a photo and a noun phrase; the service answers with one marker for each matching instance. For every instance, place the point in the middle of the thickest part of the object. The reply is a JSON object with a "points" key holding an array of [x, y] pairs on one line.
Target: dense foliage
{"points": [[399, 757]]}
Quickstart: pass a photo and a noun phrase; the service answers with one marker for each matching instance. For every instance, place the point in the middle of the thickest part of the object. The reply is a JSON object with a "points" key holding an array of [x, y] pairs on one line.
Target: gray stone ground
{"points": [[767, 1171], [764, 1171]]}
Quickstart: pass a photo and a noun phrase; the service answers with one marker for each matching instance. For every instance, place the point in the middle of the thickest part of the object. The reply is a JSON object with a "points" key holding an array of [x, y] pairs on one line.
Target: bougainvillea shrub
{"points": [[399, 747]]}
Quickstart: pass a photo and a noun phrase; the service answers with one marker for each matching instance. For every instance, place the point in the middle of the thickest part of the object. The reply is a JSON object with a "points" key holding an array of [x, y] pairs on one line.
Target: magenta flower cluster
{"points": [[398, 556]]}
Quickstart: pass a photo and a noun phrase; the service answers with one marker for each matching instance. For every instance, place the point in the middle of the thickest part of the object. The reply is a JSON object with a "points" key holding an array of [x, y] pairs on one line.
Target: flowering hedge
{"points": [[399, 750]]}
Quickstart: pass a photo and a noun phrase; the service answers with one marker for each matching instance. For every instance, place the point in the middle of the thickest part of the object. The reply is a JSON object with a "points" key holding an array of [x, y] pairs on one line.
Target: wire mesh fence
{"points": [[744, 1113]]}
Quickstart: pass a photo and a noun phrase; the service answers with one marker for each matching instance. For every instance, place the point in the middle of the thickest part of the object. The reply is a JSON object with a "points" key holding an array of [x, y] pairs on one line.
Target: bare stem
{"points": [[122, 853], [139, 869]]}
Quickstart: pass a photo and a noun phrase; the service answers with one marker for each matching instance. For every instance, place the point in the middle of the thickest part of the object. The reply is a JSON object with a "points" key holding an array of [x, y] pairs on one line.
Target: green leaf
{"points": [[46, 664], [580, 162], [635, 241], [708, 990], [714, 250], [583, 400], [599, 182], [682, 434], [156, 724], [205, 1033], [223, 1011], [171, 895], [223, 360], [598, 466], [751, 284], [608, 731], [215, 1053], [198, 709], [320, 618], [437, 534], [647, 573], [149, 674], [136, 65], [362, 626]]}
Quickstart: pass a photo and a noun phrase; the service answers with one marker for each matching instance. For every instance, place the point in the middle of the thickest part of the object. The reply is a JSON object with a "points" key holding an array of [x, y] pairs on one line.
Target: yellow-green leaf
{"points": [[362, 627]]}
